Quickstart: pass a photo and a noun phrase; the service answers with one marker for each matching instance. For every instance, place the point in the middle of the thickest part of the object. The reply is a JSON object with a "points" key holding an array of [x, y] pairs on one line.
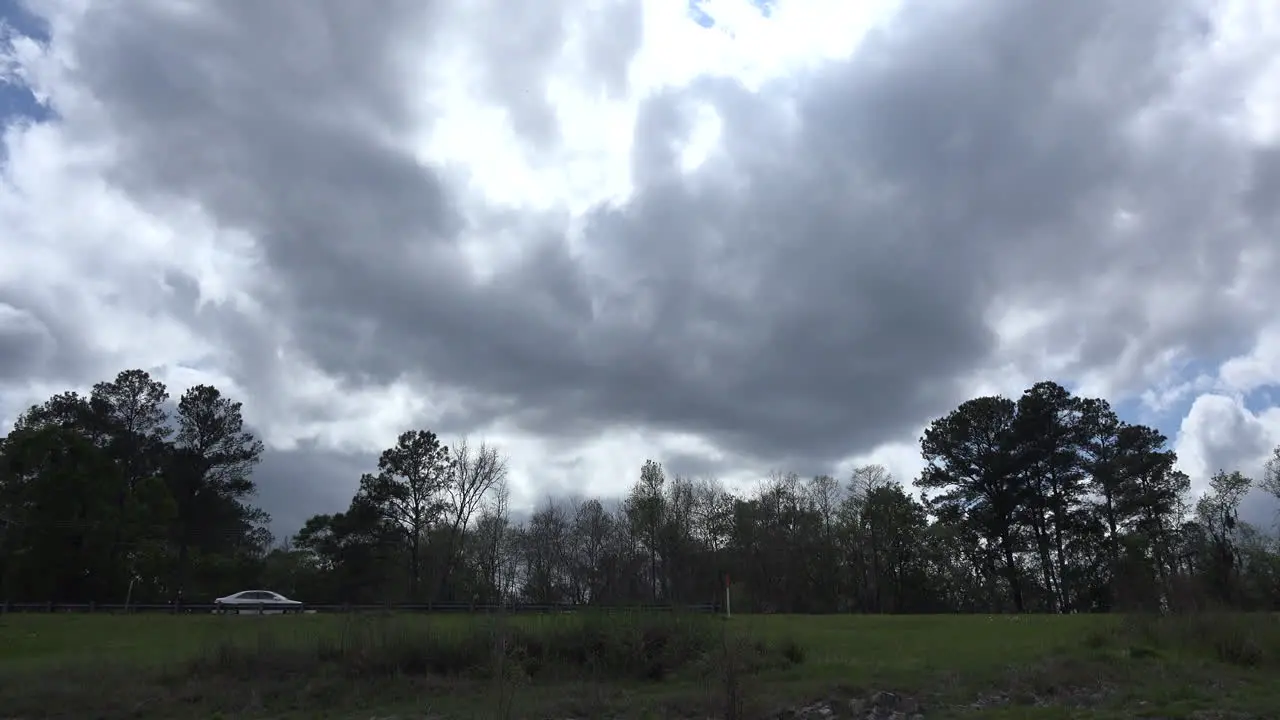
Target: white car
{"points": [[256, 601]]}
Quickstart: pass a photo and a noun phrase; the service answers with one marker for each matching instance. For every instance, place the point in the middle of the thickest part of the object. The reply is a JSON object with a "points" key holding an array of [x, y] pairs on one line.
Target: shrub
{"points": [[1243, 639], [641, 646]]}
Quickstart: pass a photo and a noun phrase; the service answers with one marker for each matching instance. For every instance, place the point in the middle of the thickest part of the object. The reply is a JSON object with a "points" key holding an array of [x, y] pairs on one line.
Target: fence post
{"points": [[92, 606], [50, 608], [727, 612]]}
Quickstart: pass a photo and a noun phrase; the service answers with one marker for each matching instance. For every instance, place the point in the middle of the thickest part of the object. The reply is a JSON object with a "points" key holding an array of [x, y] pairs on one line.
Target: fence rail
{"points": [[453, 608]]}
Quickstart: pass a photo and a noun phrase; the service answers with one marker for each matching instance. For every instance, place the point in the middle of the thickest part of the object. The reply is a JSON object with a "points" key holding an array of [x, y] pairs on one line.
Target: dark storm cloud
{"points": [[694, 465], [1264, 190], [24, 343], [339, 214], [299, 483], [815, 289], [39, 339]]}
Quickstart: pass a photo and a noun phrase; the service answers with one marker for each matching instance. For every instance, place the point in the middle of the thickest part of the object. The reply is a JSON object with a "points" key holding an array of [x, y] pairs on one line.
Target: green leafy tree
{"points": [[408, 492], [646, 509], [101, 488], [57, 491], [970, 459], [209, 474], [1218, 513], [350, 557]]}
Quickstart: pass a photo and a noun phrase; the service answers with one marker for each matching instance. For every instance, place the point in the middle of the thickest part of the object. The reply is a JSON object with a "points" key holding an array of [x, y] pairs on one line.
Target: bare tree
{"points": [[862, 539], [680, 570], [866, 478], [713, 513], [546, 563], [592, 526], [494, 525], [824, 496], [476, 472], [1270, 481]]}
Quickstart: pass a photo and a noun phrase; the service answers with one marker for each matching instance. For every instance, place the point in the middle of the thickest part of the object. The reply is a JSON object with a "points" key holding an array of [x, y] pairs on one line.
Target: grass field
{"points": [[585, 666]]}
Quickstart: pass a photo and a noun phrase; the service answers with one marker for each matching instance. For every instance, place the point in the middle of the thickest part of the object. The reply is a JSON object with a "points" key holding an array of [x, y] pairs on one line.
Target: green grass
{"points": [[583, 665]]}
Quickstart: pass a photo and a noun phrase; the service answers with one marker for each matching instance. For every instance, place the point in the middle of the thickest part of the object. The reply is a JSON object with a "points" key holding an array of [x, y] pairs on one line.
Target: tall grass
{"points": [[580, 646], [1240, 639]]}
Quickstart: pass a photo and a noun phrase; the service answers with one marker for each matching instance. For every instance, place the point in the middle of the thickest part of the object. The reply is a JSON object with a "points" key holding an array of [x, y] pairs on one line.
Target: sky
{"points": [[732, 236]]}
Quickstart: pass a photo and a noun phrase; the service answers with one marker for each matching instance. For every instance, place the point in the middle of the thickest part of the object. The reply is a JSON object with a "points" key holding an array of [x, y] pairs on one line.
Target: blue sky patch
{"points": [[17, 101], [1133, 411], [1263, 398], [16, 15], [699, 11], [699, 15]]}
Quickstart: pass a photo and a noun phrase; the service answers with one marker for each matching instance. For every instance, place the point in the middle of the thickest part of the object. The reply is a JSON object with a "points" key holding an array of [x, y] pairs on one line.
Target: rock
{"points": [[991, 700], [809, 712], [886, 700], [880, 706]]}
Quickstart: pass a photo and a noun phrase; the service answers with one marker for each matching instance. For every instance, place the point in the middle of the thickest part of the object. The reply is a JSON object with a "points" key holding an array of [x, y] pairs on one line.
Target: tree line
{"points": [[1044, 503]]}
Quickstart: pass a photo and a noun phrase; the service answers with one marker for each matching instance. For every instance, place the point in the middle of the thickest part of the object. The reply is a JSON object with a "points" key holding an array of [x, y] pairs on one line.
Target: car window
{"points": [[256, 595]]}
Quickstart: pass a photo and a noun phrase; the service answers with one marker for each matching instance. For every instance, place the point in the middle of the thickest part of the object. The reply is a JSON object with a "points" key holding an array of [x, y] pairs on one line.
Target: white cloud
{"points": [[901, 459], [1257, 368], [111, 265]]}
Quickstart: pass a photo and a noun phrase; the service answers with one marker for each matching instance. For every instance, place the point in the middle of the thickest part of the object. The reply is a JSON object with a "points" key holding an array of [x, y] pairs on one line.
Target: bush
{"points": [[641, 646], [1243, 639]]}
